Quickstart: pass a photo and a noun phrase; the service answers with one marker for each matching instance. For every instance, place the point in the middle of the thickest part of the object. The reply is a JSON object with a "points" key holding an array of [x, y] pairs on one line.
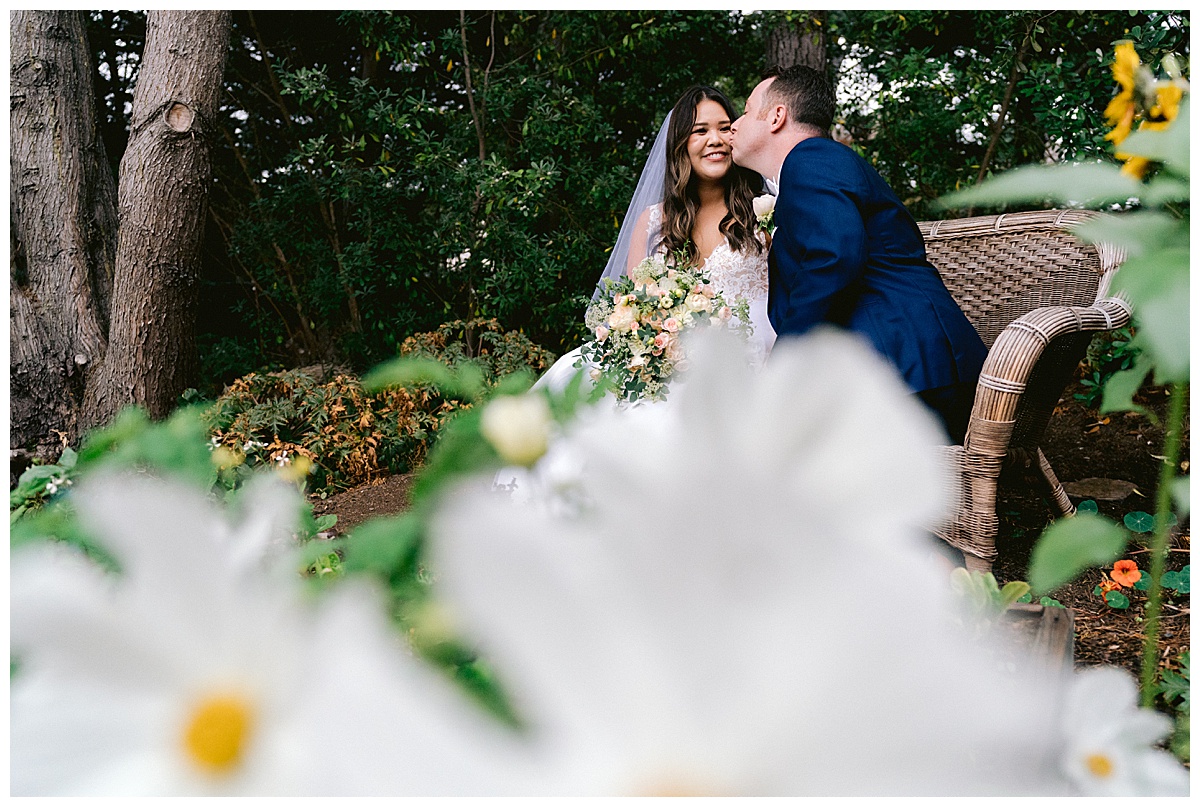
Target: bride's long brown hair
{"points": [[681, 200]]}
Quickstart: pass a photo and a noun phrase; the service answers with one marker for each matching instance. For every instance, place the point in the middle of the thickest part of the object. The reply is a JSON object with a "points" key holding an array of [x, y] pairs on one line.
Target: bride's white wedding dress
{"points": [[733, 273]]}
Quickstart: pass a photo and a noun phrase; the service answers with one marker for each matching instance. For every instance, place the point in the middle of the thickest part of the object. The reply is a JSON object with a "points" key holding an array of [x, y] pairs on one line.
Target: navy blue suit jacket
{"points": [[847, 252]]}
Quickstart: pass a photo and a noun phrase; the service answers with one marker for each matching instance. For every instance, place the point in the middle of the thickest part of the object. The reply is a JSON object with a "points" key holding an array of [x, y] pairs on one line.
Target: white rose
{"points": [[763, 205], [698, 302], [518, 427]]}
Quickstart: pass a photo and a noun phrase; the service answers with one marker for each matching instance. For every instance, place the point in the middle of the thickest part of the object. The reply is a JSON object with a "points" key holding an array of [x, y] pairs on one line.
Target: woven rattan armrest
{"points": [[1022, 379], [1011, 361]]}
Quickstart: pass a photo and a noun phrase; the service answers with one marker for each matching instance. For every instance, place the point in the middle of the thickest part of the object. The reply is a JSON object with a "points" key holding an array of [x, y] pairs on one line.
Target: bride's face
{"points": [[708, 144]]}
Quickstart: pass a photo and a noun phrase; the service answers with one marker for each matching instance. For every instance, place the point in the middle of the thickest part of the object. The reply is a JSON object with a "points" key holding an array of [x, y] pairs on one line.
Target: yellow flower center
{"points": [[217, 732], [1099, 765]]}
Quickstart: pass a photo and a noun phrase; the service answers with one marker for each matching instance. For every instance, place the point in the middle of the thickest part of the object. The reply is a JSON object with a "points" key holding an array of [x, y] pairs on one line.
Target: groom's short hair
{"points": [[805, 92]]}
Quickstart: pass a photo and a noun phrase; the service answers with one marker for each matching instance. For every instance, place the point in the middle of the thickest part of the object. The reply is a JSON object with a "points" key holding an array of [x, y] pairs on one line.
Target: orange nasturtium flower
{"points": [[1125, 573], [1109, 585]]}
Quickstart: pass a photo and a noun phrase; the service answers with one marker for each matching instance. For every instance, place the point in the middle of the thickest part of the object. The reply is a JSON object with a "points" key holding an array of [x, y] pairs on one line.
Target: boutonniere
{"points": [[764, 209]]}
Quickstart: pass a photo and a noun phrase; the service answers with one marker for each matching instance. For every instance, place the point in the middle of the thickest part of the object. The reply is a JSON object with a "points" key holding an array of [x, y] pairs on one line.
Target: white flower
{"points": [[192, 674], [1109, 741], [764, 211], [518, 427], [763, 205], [698, 303], [623, 317], [711, 648]]}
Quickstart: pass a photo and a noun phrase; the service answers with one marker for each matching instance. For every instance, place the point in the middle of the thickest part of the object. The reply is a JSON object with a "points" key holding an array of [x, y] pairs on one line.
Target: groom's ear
{"points": [[777, 118]]}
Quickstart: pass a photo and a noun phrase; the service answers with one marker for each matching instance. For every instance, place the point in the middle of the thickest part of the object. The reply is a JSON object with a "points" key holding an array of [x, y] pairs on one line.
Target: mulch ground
{"points": [[1081, 445]]}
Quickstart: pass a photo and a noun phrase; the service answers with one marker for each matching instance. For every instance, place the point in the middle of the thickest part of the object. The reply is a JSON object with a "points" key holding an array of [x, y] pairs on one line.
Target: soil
{"points": [[1115, 456]]}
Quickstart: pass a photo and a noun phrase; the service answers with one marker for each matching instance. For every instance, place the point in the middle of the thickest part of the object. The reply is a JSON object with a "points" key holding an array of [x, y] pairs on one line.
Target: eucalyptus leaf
{"points": [[1070, 545], [1073, 185]]}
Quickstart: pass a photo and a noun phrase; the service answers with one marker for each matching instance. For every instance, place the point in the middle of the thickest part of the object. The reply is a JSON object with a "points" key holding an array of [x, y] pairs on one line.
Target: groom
{"points": [[846, 251]]}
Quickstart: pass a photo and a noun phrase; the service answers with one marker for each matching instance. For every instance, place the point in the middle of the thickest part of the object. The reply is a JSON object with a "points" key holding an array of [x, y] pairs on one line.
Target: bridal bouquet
{"points": [[639, 322]]}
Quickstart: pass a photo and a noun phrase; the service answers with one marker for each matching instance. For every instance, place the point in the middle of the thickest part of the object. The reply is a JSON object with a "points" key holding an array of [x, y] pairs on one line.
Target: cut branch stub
{"points": [[179, 116]]}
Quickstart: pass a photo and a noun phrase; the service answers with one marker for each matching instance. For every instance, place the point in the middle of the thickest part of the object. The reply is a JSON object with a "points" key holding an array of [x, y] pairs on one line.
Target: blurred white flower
{"points": [[518, 427], [711, 647], [1109, 742], [191, 673]]}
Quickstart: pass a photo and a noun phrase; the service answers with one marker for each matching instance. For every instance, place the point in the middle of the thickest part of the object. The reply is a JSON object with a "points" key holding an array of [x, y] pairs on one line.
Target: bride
{"points": [[692, 200]]}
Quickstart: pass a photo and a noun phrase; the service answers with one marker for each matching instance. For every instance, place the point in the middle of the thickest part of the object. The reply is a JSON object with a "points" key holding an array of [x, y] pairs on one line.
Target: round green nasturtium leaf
{"points": [[1116, 599], [1143, 583], [1170, 580], [1088, 506], [1139, 522]]}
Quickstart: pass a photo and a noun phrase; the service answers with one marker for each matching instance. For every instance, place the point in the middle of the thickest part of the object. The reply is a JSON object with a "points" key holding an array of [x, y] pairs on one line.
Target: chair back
{"points": [[1000, 267]]}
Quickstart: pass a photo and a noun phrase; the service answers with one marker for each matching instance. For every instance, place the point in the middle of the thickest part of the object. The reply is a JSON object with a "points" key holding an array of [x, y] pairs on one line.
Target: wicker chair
{"points": [[1037, 296]]}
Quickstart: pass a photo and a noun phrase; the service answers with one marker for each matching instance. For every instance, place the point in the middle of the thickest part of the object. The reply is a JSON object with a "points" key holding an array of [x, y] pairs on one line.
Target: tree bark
{"points": [[164, 179], [62, 216], [800, 41]]}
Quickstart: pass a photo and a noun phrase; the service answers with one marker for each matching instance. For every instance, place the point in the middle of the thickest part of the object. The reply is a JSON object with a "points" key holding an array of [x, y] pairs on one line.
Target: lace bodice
{"points": [[733, 273]]}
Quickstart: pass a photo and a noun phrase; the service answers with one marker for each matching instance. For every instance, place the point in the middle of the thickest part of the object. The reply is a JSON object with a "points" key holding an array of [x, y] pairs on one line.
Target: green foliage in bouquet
{"points": [[640, 323]]}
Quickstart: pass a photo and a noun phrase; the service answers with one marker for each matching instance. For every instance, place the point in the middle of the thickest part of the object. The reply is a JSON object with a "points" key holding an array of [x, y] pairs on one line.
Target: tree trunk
{"points": [[799, 41], [164, 179], [62, 216]]}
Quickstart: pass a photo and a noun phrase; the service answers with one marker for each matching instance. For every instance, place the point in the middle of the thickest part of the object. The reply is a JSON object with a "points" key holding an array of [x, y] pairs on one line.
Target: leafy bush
{"points": [[1110, 352], [349, 436]]}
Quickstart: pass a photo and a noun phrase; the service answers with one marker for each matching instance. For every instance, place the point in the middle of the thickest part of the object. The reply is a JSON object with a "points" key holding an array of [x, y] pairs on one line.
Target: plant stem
{"points": [[1158, 548]]}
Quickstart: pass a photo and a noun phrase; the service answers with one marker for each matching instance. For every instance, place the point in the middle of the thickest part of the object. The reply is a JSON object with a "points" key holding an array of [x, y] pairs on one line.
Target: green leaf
{"points": [[1075, 185], [1088, 506], [1170, 580], [1070, 545], [1143, 583], [1026, 597], [68, 459], [408, 371], [1181, 492], [326, 522], [1050, 602], [1012, 592], [1116, 599], [383, 545], [1137, 233], [1158, 284], [1165, 189], [1124, 384], [1139, 522]]}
